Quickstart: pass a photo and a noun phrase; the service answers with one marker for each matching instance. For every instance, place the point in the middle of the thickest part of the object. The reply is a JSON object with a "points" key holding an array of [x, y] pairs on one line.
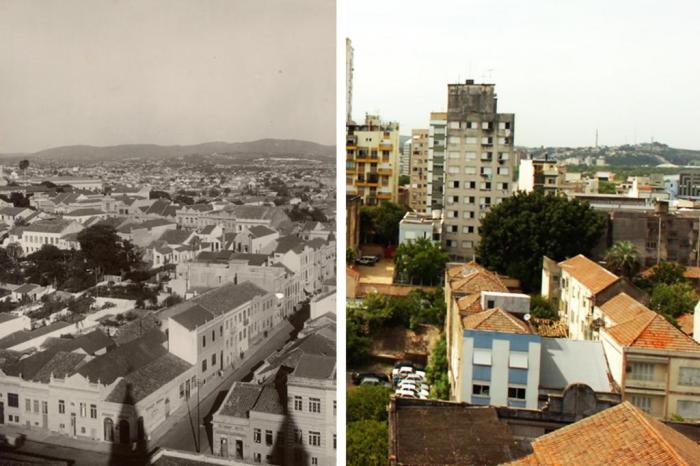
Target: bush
{"points": [[368, 402], [436, 372], [542, 308], [367, 443]]}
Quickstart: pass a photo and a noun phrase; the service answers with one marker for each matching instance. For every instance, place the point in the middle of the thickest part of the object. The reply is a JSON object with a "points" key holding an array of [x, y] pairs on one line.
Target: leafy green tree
{"points": [[623, 259], [23, 165], [421, 262], [436, 372], [47, 266], [349, 256], [380, 224], [542, 308], [673, 300], [9, 265], [606, 187], [404, 180], [368, 402], [367, 443], [357, 342], [668, 273], [517, 232]]}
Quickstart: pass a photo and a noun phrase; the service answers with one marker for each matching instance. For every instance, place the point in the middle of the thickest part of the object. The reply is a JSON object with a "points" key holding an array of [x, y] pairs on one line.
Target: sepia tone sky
{"points": [[105, 72], [565, 68]]}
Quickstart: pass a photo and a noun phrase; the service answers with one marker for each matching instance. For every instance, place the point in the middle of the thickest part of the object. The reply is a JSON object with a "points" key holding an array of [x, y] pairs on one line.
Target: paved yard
{"points": [[382, 272]]}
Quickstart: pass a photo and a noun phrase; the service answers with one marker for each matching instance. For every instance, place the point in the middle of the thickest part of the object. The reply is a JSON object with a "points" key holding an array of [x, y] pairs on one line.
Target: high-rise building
{"points": [[349, 55], [372, 160], [419, 199], [542, 175], [405, 159], [479, 165], [436, 159]]}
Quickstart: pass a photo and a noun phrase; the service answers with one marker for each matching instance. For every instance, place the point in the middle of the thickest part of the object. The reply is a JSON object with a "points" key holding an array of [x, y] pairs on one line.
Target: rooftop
{"points": [[495, 320], [565, 362], [593, 276], [652, 331]]}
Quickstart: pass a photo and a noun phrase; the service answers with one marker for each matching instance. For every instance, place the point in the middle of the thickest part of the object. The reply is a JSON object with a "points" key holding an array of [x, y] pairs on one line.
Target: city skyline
{"points": [[564, 80], [106, 73]]}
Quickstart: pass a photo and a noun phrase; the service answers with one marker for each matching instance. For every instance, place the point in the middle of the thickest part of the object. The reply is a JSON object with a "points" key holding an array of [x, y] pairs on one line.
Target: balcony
{"points": [[384, 196]]}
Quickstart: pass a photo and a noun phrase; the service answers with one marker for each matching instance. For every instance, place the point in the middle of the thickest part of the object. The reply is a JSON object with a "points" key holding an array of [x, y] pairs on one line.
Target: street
{"points": [[183, 435]]}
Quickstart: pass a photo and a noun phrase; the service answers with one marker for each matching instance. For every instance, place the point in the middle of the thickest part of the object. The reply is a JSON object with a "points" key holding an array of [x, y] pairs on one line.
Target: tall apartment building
{"points": [[372, 160], [437, 139], [405, 159], [689, 183], [419, 199], [542, 175], [479, 166]]}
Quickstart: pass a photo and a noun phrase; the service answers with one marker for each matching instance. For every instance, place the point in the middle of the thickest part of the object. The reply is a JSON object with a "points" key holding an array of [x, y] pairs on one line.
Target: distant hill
{"points": [[645, 154], [262, 147]]}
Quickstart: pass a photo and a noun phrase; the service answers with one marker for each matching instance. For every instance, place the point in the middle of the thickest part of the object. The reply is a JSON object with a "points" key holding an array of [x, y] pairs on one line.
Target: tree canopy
{"points": [[367, 402], [420, 262], [104, 249], [367, 443], [436, 372], [673, 300], [380, 224], [623, 259], [519, 231]]}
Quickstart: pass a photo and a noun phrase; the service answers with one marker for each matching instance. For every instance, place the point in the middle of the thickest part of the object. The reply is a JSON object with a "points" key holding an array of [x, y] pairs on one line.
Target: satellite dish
{"points": [[527, 317]]}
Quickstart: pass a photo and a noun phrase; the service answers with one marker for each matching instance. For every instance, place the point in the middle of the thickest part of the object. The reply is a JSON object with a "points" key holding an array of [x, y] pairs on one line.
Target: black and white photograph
{"points": [[168, 232]]}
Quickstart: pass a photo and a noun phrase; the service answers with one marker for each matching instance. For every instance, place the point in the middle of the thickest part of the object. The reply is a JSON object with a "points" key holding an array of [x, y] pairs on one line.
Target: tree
{"points": [[380, 224], [542, 308], [367, 443], [47, 266], [404, 180], [105, 250], [357, 343], [516, 233], [623, 259], [436, 372], [367, 402], [349, 256], [19, 200], [158, 195], [673, 300], [23, 165], [606, 187], [668, 273], [420, 261]]}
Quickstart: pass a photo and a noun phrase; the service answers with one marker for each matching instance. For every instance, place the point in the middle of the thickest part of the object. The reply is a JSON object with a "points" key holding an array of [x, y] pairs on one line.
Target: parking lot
{"points": [[382, 272]]}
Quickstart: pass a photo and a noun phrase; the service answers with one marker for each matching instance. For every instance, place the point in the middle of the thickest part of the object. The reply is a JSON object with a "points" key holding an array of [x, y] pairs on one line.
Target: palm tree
{"points": [[623, 259]]}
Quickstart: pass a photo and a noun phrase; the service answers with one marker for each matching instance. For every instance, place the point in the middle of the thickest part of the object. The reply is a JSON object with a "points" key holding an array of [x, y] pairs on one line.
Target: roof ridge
{"points": [[646, 326], [657, 435]]}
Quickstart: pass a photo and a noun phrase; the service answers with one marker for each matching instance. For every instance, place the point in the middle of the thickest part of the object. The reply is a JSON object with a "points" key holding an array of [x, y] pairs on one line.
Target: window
{"points": [[518, 360], [481, 390], [334, 406], [213, 360], [268, 437], [517, 393], [298, 436], [689, 409], [482, 356], [82, 410], [642, 371], [93, 411], [36, 406], [314, 405], [61, 407], [642, 402], [204, 341], [204, 365], [213, 335], [689, 376], [182, 390], [257, 457], [256, 436], [314, 460], [315, 439], [298, 405], [27, 405], [44, 407], [13, 400], [335, 441]]}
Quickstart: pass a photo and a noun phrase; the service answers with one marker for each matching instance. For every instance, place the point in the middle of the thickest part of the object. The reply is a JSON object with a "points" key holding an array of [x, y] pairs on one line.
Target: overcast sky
{"points": [[629, 68], [106, 72]]}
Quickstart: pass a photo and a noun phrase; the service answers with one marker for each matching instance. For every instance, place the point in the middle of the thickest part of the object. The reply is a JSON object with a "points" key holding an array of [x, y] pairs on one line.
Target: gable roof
{"points": [[495, 320], [652, 331], [193, 317], [259, 231], [140, 383], [620, 435], [623, 307], [472, 278], [591, 275], [289, 243], [315, 366], [175, 236]]}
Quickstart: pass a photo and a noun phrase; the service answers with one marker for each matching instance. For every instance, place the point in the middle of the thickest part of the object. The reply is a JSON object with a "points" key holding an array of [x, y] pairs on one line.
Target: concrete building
{"points": [[420, 196], [689, 183], [479, 167], [542, 175], [416, 225], [59, 233], [437, 139], [405, 159], [349, 69], [372, 160]]}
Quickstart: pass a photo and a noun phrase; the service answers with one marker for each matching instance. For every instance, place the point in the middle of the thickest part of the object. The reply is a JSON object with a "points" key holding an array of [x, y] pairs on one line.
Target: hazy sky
{"points": [[167, 72], [629, 68]]}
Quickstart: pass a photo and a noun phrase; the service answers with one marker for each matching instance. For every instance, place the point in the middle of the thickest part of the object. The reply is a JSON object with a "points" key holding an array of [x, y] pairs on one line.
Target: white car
{"points": [[416, 389], [413, 378], [420, 374], [406, 393], [405, 371]]}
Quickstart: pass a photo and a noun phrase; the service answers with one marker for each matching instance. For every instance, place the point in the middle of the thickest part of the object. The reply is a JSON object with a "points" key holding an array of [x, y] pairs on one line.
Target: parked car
{"points": [[358, 376], [365, 260], [413, 378], [406, 393]]}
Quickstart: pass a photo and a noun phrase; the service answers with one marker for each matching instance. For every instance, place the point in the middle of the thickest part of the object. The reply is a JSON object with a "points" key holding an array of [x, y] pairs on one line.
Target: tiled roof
{"points": [[591, 275], [252, 259], [175, 236], [621, 435], [472, 278], [240, 400], [623, 307], [48, 226], [495, 320], [652, 331], [287, 243], [229, 296], [260, 231], [312, 366], [193, 317], [85, 213], [140, 383], [470, 303], [62, 364], [26, 335]]}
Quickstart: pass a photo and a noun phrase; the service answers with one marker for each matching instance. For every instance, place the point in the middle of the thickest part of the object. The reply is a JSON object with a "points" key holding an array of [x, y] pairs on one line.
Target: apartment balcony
{"points": [[385, 169], [384, 196], [366, 158], [386, 145]]}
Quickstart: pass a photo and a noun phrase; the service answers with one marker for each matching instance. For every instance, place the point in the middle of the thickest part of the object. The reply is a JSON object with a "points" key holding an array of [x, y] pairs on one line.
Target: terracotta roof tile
{"points": [[652, 331], [621, 435], [591, 275], [495, 320], [624, 307]]}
